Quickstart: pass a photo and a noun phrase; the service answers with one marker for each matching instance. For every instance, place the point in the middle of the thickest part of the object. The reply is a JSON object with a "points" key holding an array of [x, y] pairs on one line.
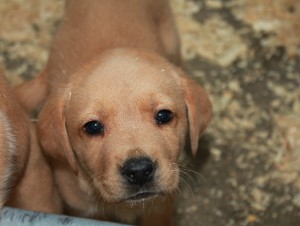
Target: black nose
{"points": [[138, 171]]}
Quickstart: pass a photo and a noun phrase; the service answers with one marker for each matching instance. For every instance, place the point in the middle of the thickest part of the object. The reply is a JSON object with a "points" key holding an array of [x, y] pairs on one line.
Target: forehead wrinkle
{"points": [[102, 108], [92, 109], [154, 101]]}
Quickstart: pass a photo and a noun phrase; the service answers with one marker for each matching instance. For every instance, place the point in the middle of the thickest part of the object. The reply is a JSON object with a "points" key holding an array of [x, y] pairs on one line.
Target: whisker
{"points": [[188, 176], [175, 192], [197, 174], [188, 187]]}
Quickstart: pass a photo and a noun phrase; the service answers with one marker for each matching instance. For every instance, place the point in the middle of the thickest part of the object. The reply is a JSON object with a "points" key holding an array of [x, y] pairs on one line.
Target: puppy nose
{"points": [[138, 171]]}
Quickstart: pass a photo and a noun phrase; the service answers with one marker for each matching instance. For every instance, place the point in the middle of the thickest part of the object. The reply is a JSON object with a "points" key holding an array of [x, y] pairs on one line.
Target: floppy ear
{"points": [[52, 129], [199, 109]]}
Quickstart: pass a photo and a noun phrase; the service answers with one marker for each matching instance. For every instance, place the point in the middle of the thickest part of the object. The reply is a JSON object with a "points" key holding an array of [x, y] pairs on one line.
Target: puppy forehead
{"points": [[126, 75], [132, 71], [120, 82]]}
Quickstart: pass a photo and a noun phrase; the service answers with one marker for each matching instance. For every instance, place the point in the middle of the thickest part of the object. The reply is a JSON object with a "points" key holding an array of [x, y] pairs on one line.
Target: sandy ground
{"points": [[246, 53]]}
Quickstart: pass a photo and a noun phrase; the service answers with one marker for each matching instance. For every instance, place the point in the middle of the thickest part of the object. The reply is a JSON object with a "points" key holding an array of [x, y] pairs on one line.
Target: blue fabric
{"points": [[18, 217]]}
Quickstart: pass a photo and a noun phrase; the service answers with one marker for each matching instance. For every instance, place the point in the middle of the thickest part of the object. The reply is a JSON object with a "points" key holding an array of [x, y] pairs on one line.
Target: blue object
{"points": [[18, 217]]}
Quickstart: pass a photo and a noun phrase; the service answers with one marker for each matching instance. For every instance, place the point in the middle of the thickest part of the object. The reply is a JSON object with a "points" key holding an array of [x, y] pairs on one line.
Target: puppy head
{"points": [[122, 124]]}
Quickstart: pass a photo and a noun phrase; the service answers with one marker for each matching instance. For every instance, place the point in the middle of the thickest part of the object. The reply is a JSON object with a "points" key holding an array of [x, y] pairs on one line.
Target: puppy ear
{"points": [[199, 109], [52, 129]]}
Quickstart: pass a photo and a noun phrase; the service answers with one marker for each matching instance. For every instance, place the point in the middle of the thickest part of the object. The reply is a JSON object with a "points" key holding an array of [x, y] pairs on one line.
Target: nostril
{"points": [[138, 170]]}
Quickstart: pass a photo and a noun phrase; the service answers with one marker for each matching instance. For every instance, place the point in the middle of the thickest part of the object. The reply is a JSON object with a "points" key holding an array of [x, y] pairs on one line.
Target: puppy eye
{"points": [[164, 117], [94, 128]]}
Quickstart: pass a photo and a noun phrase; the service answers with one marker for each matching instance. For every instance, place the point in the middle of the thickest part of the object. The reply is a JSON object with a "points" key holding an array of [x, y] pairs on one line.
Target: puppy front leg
{"points": [[160, 213]]}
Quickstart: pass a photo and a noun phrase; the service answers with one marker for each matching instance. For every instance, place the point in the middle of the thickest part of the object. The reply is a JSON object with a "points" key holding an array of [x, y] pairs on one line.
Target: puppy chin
{"points": [[142, 197], [124, 195]]}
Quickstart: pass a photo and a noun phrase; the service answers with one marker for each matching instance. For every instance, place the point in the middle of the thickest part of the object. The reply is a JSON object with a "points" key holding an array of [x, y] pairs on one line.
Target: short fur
{"points": [[8, 150], [113, 61], [26, 180], [14, 140]]}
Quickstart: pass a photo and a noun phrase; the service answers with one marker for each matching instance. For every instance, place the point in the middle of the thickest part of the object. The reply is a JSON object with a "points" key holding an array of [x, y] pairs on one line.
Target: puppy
{"points": [[26, 180], [14, 140], [116, 110]]}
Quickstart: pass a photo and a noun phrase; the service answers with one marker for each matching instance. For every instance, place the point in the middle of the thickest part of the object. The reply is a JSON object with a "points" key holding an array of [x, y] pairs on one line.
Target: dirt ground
{"points": [[246, 53]]}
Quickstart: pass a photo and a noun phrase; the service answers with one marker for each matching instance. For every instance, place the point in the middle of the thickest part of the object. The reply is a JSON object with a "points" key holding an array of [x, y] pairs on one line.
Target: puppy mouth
{"points": [[143, 196]]}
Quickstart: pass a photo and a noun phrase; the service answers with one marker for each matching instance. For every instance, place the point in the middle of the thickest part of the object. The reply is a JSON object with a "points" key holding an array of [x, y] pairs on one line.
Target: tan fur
{"points": [[7, 150], [36, 189], [110, 62], [26, 180], [14, 140]]}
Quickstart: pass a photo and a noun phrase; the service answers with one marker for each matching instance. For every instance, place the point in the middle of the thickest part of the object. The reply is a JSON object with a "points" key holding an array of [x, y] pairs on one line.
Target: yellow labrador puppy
{"points": [[116, 110]]}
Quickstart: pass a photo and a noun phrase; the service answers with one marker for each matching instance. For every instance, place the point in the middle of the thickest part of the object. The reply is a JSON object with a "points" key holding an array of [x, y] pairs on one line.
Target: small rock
{"points": [[214, 4], [216, 153], [296, 200]]}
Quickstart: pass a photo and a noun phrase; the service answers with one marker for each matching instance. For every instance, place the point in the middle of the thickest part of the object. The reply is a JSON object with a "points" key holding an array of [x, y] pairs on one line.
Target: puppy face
{"points": [[125, 122]]}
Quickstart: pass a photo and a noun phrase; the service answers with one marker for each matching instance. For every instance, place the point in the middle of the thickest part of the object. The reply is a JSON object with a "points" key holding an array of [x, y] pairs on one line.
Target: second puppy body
{"points": [[26, 180], [116, 111], [14, 140]]}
